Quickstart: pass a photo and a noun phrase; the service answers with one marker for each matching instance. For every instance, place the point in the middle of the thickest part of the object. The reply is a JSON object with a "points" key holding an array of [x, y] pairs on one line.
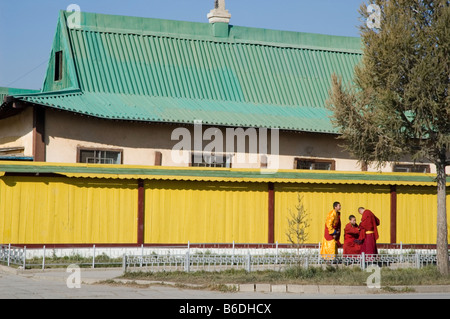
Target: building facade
{"points": [[117, 89]]}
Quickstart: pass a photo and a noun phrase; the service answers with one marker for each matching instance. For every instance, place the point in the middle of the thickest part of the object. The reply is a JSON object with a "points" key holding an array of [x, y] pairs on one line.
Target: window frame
{"points": [[224, 155], [410, 166], [81, 149], [58, 76], [314, 161]]}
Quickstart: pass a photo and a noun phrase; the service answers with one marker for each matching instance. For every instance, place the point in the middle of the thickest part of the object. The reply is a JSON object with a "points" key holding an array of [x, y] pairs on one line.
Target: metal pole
{"points": [[24, 257], [276, 252], [401, 252], [363, 261], [124, 263], [187, 262], [43, 259], [93, 256], [9, 253], [232, 257], [249, 262]]}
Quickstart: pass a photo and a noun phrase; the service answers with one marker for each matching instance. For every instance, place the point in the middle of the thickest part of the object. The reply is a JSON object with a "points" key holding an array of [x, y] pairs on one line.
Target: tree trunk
{"points": [[442, 239]]}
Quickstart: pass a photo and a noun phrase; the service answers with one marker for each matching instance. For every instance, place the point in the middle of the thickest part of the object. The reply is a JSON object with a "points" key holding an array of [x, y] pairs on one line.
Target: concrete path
{"points": [[52, 284]]}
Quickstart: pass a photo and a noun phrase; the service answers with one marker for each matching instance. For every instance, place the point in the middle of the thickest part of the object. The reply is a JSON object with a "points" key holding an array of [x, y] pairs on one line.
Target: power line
{"points": [[28, 73]]}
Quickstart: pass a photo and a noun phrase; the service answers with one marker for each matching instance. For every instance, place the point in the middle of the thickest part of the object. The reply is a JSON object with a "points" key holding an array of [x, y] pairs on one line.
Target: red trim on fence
{"points": [[271, 233], [141, 212], [393, 214]]}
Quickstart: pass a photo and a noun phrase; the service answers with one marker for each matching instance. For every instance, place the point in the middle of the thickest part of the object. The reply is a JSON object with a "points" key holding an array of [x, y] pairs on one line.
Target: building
{"points": [[117, 88], [122, 93]]}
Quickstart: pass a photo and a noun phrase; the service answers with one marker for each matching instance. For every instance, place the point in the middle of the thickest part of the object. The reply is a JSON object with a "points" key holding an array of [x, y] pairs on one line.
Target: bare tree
{"points": [[298, 224]]}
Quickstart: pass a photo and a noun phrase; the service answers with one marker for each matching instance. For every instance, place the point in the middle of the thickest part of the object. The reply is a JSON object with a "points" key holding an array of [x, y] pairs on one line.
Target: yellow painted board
{"points": [[205, 212], [43, 210], [417, 214], [318, 201]]}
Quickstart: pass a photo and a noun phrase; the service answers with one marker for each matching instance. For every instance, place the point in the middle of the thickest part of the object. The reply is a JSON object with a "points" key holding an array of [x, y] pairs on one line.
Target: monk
{"points": [[332, 233], [351, 236], [368, 234]]}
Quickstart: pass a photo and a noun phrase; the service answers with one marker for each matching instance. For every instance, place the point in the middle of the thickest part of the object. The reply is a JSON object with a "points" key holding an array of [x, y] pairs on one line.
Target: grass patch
{"points": [[329, 275]]}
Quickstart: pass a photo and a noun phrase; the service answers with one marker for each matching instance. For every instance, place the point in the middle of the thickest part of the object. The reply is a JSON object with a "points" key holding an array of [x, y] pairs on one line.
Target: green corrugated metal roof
{"points": [[218, 174], [13, 91], [251, 67], [175, 71], [176, 110]]}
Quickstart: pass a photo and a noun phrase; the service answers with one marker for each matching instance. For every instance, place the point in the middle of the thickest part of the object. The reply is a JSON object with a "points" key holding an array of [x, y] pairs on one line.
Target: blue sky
{"points": [[27, 27]]}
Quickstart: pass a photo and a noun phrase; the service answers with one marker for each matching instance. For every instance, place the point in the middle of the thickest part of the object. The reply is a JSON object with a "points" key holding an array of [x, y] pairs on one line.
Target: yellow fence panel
{"points": [[417, 214], [205, 212], [318, 201], [48, 210]]}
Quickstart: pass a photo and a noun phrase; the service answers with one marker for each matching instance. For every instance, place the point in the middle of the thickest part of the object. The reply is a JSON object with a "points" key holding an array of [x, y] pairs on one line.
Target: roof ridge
{"points": [[147, 26]]}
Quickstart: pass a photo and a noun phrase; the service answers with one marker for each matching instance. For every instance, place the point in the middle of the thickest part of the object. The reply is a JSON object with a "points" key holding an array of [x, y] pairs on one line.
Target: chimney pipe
{"points": [[219, 13]]}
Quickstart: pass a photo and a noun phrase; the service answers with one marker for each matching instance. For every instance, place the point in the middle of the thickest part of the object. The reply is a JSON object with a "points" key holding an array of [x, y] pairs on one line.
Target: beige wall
{"points": [[65, 132], [17, 131]]}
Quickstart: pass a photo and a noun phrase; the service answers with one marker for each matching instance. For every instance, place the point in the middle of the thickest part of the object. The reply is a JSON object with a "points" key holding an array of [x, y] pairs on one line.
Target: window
{"points": [[314, 164], [58, 65], [208, 160], [91, 156], [405, 168]]}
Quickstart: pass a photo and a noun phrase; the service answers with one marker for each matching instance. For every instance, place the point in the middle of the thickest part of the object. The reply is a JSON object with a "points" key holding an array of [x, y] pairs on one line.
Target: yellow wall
{"points": [[318, 201], [50, 210], [205, 212], [417, 214], [42, 210]]}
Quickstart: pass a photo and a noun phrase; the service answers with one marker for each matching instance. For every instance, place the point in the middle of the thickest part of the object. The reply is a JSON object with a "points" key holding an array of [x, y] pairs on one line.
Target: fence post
{"points": [[93, 256], [249, 262], [124, 263], [24, 257], [187, 262], [363, 261], [232, 256], [276, 252], [401, 252], [417, 261], [9, 254], [43, 259]]}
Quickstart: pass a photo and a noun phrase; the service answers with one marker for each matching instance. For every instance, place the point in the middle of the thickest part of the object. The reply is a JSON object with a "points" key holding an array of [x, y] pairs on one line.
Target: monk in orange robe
{"points": [[351, 236], [332, 233], [368, 234]]}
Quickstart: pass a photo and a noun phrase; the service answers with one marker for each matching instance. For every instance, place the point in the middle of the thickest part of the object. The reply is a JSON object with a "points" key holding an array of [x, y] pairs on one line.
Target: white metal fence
{"points": [[12, 255], [208, 257], [218, 262]]}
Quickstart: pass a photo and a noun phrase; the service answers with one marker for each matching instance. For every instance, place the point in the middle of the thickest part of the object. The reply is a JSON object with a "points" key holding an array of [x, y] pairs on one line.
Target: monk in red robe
{"points": [[368, 234], [351, 236]]}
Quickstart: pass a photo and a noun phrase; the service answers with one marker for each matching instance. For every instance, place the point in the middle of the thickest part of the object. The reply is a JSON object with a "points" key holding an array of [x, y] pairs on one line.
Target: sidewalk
{"points": [[91, 276]]}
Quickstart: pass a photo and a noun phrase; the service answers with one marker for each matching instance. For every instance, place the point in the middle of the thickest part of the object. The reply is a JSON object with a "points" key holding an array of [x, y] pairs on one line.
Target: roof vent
{"points": [[219, 13]]}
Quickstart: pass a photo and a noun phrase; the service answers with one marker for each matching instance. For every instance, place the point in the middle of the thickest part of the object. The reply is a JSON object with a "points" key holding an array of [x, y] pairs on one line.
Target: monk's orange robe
{"points": [[332, 232]]}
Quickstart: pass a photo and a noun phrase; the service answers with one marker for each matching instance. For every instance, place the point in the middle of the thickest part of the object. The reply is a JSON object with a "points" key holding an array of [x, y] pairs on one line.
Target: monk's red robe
{"points": [[351, 233], [368, 232]]}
